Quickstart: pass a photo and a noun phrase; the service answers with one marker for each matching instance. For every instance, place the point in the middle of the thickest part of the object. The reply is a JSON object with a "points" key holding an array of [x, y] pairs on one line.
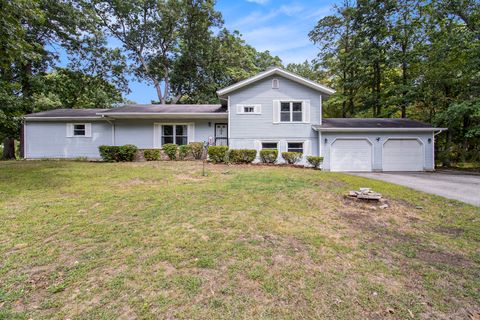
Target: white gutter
{"points": [[161, 113], [60, 118], [378, 129]]}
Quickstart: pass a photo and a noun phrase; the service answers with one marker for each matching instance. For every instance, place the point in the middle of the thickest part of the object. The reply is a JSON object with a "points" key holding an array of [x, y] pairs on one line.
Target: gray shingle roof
{"points": [[372, 123], [66, 113], [168, 108]]}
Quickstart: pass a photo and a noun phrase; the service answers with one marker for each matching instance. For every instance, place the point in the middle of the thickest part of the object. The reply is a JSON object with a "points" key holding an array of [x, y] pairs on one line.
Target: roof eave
{"points": [[160, 115], [278, 71], [61, 118], [339, 129]]}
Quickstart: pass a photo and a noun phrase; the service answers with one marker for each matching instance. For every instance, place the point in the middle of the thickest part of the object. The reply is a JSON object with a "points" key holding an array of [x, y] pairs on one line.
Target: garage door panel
{"points": [[351, 155], [403, 155]]}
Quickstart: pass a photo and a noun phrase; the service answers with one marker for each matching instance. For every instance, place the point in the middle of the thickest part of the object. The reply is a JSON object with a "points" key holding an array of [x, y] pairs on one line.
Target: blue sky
{"points": [[278, 26]]}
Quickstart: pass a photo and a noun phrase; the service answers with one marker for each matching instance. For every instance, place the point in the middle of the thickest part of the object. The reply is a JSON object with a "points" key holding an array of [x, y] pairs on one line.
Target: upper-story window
{"points": [[291, 111], [249, 109]]}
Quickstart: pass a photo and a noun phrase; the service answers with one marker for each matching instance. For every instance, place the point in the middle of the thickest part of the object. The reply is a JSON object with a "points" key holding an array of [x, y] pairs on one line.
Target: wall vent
{"points": [[275, 84]]}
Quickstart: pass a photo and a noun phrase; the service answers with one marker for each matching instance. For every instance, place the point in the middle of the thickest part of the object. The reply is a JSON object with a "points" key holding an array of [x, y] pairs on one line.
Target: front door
{"points": [[221, 134]]}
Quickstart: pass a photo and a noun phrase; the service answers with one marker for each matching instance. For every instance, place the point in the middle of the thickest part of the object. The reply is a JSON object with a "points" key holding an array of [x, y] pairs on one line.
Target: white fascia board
{"points": [[378, 129], [280, 72], [63, 118], [160, 115]]}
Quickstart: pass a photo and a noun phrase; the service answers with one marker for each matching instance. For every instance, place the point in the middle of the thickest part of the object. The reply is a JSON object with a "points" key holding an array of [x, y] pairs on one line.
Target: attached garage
{"points": [[351, 155], [374, 144], [403, 155]]}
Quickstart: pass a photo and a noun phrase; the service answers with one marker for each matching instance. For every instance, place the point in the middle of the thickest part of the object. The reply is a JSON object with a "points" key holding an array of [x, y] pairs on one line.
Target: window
{"points": [[248, 109], [295, 147], [275, 84], [269, 145], [174, 134], [291, 112], [79, 130]]}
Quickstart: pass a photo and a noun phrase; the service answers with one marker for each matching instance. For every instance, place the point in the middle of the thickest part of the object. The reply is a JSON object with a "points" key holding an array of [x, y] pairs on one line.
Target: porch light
{"points": [[209, 124], [378, 139], [326, 140], [429, 140]]}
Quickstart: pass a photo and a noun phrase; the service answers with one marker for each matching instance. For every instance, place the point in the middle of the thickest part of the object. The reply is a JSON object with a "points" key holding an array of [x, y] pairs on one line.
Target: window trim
{"points": [[158, 132], [296, 141], [269, 141], [291, 102], [257, 108], [174, 132], [71, 130]]}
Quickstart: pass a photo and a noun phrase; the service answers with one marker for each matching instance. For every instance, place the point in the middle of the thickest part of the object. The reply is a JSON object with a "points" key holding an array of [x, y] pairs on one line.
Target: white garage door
{"points": [[351, 155], [403, 155]]}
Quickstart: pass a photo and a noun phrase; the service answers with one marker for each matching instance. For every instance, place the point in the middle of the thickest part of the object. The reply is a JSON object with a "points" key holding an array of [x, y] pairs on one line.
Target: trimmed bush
{"points": [[292, 157], [196, 149], [315, 161], [170, 150], [118, 153], [151, 154], [184, 151], [242, 155], [217, 154], [268, 155]]}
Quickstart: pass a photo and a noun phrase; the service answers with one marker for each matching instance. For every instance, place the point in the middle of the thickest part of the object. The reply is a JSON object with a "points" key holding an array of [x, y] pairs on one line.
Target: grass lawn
{"points": [[158, 240]]}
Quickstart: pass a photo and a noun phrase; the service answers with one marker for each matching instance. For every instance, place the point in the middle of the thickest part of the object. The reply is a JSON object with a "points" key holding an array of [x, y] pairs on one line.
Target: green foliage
{"points": [[268, 155], [242, 155], [197, 149], [292, 157], [152, 154], [124, 153], [315, 161], [170, 150], [184, 151], [217, 154]]}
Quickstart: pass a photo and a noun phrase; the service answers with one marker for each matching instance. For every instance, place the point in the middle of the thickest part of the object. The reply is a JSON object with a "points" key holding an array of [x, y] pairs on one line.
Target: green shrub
{"points": [[242, 155], [217, 154], [315, 161], [268, 155], [184, 151], [127, 152], [292, 157], [196, 149], [170, 150], [151, 154], [118, 153]]}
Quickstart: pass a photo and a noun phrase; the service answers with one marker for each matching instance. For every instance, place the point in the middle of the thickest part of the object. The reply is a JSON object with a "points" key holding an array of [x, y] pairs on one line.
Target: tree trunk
{"points": [[8, 149]]}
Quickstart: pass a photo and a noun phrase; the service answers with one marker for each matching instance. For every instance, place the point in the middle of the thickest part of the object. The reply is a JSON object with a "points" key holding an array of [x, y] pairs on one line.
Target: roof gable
{"points": [[280, 72]]}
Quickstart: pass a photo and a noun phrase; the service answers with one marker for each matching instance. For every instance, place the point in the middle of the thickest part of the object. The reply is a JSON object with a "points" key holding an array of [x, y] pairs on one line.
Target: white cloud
{"points": [[262, 2]]}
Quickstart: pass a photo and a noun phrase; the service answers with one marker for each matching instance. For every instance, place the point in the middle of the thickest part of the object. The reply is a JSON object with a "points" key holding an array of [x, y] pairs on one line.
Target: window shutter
{"points": [[191, 132], [88, 130], [157, 131], [276, 111], [306, 111], [69, 130], [239, 108], [258, 109]]}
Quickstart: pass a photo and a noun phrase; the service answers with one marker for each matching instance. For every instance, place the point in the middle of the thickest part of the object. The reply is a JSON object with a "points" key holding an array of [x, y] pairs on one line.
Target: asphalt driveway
{"points": [[449, 184]]}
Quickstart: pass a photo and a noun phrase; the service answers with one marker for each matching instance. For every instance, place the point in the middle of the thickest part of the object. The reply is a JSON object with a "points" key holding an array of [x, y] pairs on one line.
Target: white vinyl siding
{"points": [[351, 155], [403, 155]]}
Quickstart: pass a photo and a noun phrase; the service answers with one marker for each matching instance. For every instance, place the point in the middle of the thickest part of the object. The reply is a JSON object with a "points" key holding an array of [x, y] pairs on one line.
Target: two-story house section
{"points": [[275, 109]]}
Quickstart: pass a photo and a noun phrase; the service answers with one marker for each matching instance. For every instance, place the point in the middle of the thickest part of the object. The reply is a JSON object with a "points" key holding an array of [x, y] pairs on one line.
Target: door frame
{"points": [[215, 131], [372, 151], [422, 145]]}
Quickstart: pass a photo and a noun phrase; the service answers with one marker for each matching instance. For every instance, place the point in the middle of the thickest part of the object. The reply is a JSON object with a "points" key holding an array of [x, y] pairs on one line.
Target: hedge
{"points": [[292, 157], [217, 154], [242, 155], [315, 161], [118, 153], [170, 150], [268, 155], [183, 151], [197, 149], [151, 154]]}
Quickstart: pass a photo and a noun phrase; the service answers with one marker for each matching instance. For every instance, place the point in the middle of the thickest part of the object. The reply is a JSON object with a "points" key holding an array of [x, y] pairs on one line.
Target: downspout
{"points": [[113, 128], [433, 146]]}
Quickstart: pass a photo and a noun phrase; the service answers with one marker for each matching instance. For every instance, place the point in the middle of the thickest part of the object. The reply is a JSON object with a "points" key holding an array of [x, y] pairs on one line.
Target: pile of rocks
{"points": [[365, 194]]}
